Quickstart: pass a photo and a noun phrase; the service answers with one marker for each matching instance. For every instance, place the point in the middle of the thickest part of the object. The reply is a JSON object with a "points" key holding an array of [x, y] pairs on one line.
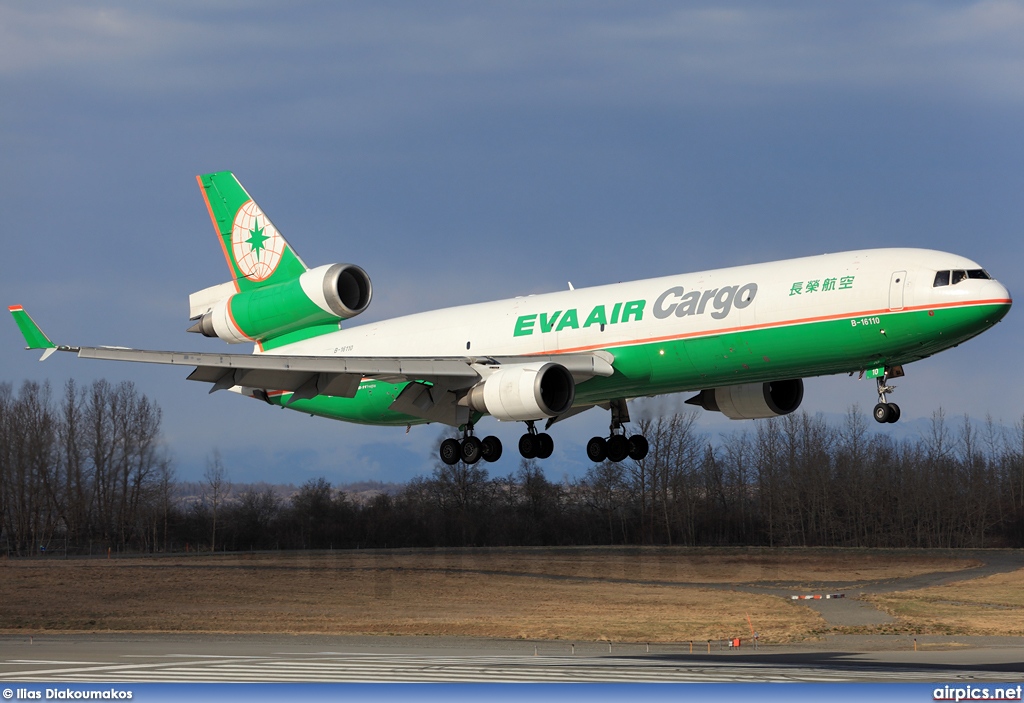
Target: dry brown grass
{"points": [[586, 594], [691, 566], [993, 605]]}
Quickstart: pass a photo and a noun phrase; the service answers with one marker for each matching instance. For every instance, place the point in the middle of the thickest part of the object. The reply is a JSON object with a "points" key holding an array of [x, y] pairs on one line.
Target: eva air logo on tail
{"points": [[255, 243]]}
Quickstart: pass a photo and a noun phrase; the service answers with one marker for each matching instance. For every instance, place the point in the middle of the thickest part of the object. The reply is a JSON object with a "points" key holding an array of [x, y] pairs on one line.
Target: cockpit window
{"points": [[946, 278]]}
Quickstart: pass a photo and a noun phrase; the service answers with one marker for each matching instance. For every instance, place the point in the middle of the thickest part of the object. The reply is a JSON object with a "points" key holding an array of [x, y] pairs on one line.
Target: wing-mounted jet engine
{"points": [[750, 401]]}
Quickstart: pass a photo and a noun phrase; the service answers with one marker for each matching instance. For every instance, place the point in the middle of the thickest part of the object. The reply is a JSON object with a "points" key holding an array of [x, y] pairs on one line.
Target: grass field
{"points": [[993, 605], [570, 594]]}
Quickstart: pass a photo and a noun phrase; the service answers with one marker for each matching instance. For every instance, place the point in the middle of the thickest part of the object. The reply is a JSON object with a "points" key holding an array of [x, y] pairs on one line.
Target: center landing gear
{"points": [[535, 445], [618, 446], [886, 411], [471, 449]]}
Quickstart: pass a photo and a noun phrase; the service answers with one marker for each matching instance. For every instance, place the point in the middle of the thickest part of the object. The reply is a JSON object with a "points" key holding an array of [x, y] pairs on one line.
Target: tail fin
{"points": [[255, 251]]}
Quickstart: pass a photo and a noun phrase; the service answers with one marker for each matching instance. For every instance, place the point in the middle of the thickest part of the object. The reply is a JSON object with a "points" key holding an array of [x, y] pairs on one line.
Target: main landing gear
{"points": [[539, 445], [535, 445], [471, 449], [886, 411], [618, 446]]}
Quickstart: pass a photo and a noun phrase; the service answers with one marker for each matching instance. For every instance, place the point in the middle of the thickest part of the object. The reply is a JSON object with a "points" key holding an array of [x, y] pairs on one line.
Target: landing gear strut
{"points": [[471, 449], [618, 446], [535, 445], [886, 411]]}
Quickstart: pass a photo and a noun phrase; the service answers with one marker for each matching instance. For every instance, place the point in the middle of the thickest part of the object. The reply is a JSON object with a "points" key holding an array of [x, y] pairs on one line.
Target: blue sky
{"points": [[463, 152]]}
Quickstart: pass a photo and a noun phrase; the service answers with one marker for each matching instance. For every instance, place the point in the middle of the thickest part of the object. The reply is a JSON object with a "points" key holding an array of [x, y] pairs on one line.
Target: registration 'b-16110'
{"points": [[741, 338]]}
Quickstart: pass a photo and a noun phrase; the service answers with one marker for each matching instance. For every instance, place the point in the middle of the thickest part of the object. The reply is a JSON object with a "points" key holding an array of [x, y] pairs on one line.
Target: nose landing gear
{"points": [[886, 411]]}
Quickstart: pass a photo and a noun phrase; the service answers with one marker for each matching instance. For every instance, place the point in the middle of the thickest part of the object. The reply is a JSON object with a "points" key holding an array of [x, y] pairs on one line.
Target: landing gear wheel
{"points": [[545, 445], [882, 413], [490, 448], [528, 446], [597, 449], [894, 413], [638, 447], [618, 447], [885, 411], [450, 451], [471, 450]]}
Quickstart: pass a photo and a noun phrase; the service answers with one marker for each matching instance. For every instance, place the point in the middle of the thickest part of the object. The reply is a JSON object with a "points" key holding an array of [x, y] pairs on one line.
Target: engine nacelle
{"points": [[524, 392], [325, 295], [752, 400]]}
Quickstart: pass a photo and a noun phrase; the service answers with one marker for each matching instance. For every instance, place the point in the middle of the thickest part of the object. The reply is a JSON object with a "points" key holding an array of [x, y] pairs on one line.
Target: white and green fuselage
{"points": [[813, 316]]}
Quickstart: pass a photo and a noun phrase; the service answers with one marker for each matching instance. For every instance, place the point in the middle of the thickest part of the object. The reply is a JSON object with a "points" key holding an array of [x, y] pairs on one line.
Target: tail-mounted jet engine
{"points": [[752, 400], [524, 392], [324, 295]]}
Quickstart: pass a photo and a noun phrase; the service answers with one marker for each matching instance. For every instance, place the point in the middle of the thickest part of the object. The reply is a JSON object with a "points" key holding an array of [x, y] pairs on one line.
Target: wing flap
{"points": [[404, 368], [432, 403]]}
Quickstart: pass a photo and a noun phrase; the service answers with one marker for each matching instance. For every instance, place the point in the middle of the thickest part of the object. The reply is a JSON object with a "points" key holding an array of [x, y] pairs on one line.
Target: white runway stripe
{"points": [[337, 667]]}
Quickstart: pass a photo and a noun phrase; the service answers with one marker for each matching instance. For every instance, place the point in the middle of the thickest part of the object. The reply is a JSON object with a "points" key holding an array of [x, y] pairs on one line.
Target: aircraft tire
{"points": [[881, 413], [894, 413], [490, 448], [528, 446], [597, 449], [618, 447], [450, 451], [545, 445], [638, 447], [471, 450]]}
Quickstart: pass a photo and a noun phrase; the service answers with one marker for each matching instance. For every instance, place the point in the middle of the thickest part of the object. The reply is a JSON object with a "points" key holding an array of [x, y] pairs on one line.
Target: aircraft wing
{"points": [[309, 376], [339, 375]]}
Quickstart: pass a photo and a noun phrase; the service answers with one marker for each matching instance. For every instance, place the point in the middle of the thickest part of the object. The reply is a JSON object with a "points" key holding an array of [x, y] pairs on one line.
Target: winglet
{"points": [[34, 337]]}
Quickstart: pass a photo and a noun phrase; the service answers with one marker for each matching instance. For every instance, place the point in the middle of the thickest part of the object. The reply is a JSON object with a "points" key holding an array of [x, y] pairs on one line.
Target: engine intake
{"points": [[752, 400], [345, 288], [524, 392]]}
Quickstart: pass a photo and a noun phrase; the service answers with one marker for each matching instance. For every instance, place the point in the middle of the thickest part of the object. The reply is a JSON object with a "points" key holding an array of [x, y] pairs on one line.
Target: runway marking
{"points": [[45, 661], [361, 667]]}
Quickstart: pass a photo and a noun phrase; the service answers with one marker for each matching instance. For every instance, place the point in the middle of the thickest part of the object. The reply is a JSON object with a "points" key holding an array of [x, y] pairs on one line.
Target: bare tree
{"points": [[216, 479], [604, 490]]}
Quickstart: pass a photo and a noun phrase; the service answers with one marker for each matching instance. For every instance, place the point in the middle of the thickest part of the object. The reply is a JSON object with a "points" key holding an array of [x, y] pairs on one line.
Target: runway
{"points": [[155, 658]]}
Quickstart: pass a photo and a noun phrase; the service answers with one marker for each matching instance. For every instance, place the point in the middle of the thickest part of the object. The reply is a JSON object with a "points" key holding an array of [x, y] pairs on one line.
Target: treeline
{"points": [[87, 472], [791, 481], [799, 480]]}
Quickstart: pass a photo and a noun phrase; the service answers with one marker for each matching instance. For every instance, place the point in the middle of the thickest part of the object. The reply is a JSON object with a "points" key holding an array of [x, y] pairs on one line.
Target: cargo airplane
{"points": [[741, 338]]}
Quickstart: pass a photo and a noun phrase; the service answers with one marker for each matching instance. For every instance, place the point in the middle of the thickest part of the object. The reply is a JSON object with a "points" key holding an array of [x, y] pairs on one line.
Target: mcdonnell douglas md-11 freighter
{"points": [[742, 338]]}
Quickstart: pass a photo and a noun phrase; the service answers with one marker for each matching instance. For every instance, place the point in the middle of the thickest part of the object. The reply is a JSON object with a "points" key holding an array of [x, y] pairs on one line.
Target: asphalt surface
{"points": [[277, 658], [850, 611]]}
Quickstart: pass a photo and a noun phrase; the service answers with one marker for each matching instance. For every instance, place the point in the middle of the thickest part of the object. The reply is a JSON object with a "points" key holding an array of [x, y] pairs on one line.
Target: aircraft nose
{"points": [[1004, 293], [1002, 298]]}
